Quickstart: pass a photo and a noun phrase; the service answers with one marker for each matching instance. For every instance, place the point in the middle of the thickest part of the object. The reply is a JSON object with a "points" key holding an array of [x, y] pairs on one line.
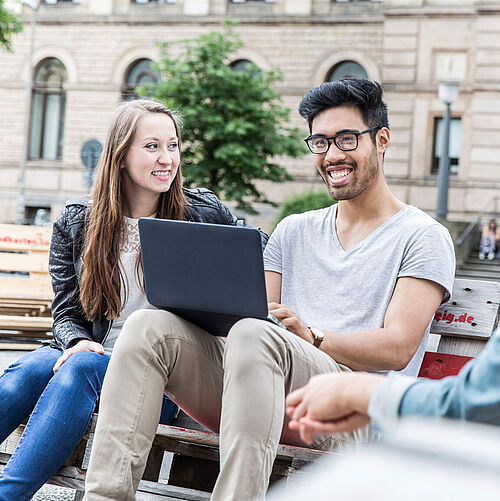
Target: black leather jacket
{"points": [[65, 263]]}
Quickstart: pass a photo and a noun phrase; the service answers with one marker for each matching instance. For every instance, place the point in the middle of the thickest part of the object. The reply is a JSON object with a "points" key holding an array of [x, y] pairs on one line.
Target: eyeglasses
{"points": [[345, 141]]}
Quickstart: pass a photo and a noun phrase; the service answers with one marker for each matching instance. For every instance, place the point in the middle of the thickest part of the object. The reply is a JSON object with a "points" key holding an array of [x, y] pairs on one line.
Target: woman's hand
{"points": [[331, 403], [82, 345], [290, 320]]}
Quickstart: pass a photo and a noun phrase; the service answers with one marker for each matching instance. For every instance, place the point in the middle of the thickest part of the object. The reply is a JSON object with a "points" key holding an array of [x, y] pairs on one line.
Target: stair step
{"points": [[476, 268], [475, 259], [493, 268], [480, 274]]}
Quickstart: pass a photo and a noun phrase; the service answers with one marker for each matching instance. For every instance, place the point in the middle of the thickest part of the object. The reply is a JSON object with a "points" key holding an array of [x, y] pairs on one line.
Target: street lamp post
{"points": [[448, 93], [33, 5]]}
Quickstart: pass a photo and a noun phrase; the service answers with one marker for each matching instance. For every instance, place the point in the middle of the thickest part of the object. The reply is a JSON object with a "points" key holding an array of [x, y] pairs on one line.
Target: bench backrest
{"points": [[464, 324], [24, 258], [467, 321]]}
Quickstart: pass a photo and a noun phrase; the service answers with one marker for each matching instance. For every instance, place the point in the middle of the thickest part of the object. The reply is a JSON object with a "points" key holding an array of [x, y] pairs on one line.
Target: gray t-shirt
{"points": [[349, 291]]}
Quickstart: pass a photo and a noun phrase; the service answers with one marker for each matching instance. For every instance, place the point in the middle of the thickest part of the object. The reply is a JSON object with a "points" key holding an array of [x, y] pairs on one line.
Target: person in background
{"points": [[97, 281], [488, 244]]}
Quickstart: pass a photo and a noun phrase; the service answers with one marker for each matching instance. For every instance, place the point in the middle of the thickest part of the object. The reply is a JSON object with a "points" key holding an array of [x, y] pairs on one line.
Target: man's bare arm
{"points": [[273, 286], [391, 347]]}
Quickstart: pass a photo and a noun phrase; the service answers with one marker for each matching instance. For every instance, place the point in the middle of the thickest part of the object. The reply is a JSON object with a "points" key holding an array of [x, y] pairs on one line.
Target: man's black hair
{"points": [[363, 94]]}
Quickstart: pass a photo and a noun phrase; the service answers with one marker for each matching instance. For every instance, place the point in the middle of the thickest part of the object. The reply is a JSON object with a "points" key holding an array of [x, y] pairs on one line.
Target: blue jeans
{"points": [[61, 407]]}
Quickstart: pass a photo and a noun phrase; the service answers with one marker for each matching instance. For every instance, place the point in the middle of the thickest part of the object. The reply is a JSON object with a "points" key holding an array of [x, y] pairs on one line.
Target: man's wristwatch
{"points": [[318, 336]]}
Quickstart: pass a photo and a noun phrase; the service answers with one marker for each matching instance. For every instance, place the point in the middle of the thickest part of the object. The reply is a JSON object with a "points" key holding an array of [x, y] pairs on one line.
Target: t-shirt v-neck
{"points": [[366, 241]]}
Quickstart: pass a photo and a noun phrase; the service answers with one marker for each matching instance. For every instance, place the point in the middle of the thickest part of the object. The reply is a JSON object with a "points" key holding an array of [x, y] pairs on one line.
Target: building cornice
{"points": [[431, 11], [120, 19]]}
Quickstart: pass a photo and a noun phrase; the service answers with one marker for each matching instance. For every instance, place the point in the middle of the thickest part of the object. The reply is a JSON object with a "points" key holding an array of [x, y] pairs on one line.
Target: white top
{"points": [[136, 298], [349, 290]]}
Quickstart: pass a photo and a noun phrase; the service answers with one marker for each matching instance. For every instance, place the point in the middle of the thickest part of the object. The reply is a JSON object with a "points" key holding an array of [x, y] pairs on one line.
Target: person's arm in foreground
{"points": [[410, 311], [336, 403]]}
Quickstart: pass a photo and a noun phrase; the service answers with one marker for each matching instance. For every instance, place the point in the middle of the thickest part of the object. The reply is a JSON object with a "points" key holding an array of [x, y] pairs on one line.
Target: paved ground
{"points": [[52, 493]]}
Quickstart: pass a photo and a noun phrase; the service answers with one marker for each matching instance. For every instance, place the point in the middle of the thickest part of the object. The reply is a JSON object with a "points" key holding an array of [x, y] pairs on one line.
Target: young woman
{"points": [[97, 280]]}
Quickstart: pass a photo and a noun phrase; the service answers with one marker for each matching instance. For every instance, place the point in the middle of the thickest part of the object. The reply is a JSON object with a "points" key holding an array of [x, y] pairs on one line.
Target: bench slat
{"points": [[472, 311], [210, 439], [34, 287], [35, 261], [459, 346], [172, 491], [22, 323], [16, 237]]}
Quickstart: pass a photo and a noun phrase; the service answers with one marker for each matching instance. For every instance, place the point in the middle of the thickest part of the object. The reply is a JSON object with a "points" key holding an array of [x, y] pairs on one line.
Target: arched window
{"points": [[245, 65], [47, 110], [347, 68], [138, 73]]}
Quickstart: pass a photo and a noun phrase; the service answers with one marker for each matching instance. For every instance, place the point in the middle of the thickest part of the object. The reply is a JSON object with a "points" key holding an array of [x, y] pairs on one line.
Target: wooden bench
{"points": [[25, 286], [464, 324]]}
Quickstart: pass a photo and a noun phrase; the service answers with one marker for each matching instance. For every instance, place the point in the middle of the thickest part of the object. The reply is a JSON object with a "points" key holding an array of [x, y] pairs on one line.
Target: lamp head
{"points": [[448, 92]]}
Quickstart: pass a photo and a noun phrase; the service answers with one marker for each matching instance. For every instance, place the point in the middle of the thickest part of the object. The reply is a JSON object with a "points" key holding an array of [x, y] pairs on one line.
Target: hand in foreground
{"points": [[290, 320], [82, 345], [331, 403]]}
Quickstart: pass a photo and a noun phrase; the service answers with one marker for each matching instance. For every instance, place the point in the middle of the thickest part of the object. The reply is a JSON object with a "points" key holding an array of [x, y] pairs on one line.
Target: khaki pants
{"points": [[235, 386]]}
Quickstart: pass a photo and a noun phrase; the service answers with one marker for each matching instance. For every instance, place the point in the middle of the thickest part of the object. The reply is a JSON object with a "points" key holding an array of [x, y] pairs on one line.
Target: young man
{"points": [[356, 285]]}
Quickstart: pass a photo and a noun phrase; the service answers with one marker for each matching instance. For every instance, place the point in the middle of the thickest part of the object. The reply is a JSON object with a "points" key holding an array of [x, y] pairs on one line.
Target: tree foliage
{"points": [[233, 121], [9, 23], [304, 202]]}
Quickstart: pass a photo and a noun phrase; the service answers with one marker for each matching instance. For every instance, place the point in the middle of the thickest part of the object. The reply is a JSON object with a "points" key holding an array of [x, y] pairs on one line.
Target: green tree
{"points": [[233, 121], [304, 202], [9, 23]]}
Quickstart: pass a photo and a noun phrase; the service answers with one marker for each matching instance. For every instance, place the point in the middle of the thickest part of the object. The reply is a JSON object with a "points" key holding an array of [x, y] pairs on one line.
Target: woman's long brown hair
{"points": [[102, 278]]}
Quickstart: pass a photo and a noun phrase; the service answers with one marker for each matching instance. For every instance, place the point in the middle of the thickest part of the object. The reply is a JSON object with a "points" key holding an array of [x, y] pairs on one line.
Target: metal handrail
{"points": [[461, 239]]}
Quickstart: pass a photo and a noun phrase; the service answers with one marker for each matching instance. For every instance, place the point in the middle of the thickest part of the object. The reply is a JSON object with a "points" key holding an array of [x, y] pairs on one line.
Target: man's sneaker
{"points": [[491, 256], [481, 256]]}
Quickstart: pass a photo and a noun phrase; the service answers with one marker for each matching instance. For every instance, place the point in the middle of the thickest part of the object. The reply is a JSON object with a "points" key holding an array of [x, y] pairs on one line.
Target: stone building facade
{"points": [[84, 51]]}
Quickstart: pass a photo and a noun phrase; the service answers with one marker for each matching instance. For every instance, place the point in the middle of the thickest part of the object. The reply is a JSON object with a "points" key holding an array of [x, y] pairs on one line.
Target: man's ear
{"points": [[383, 139]]}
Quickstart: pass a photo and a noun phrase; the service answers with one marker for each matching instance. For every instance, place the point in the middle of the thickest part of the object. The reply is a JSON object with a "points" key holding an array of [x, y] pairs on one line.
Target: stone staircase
{"points": [[479, 270]]}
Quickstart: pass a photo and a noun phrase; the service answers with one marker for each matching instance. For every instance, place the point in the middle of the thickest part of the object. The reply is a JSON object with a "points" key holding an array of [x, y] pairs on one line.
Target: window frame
{"points": [[45, 89], [55, 2], [127, 91], [434, 161], [329, 73]]}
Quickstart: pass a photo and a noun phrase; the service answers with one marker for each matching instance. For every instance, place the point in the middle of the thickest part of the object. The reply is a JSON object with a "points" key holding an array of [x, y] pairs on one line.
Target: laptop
{"points": [[209, 274]]}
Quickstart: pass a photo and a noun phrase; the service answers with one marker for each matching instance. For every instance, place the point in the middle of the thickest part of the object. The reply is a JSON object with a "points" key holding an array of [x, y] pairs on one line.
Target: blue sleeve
{"points": [[473, 395]]}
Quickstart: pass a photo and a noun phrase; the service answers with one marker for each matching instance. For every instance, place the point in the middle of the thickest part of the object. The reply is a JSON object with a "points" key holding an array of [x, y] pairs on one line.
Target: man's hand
{"points": [[290, 320], [331, 403], [82, 345]]}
